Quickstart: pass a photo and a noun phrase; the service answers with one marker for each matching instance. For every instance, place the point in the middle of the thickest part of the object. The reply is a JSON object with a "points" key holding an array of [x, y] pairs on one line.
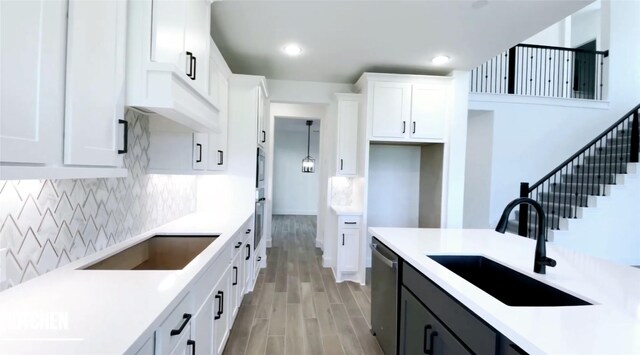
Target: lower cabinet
{"points": [[421, 332], [237, 286], [186, 345], [203, 327], [221, 326], [432, 322], [348, 248]]}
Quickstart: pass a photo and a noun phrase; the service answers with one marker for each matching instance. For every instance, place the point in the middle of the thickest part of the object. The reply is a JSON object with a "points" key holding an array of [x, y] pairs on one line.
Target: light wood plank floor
{"points": [[297, 307]]}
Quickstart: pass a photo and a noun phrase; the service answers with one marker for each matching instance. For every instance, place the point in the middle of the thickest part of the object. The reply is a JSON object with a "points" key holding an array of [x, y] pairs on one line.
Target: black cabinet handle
{"points": [[235, 268], [414, 127], [199, 152], [220, 157], [194, 60], [264, 136], [192, 344], [248, 252], [247, 231], [341, 164], [404, 126], [342, 238], [238, 245], [259, 258], [185, 320], [218, 297], [221, 309], [190, 63], [126, 137], [350, 222], [427, 346]]}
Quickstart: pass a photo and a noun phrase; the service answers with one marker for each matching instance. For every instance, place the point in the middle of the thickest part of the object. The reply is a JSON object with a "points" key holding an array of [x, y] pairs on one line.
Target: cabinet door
{"points": [[221, 312], [347, 137], [236, 287], [94, 102], [196, 41], [203, 326], [391, 109], [421, 332], [348, 250], [248, 263], [262, 133], [218, 157], [429, 111], [167, 33], [32, 62], [185, 344], [200, 141]]}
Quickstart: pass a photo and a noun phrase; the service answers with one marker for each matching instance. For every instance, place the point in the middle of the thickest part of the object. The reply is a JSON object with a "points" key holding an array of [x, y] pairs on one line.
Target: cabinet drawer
{"points": [[349, 222], [237, 242], [421, 332], [472, 331], [178, 320]]}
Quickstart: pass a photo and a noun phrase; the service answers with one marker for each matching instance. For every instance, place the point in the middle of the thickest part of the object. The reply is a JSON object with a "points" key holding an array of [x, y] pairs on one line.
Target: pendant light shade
{"points": [[308, 163]]}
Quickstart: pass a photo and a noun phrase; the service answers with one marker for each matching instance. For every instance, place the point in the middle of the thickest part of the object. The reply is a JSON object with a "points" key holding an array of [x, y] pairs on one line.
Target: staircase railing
{"points": [[535, 70], [584, 174]]}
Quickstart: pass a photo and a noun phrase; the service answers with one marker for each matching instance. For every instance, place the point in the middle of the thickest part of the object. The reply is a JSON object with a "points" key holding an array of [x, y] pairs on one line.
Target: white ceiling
{"points": [[343, 39]]}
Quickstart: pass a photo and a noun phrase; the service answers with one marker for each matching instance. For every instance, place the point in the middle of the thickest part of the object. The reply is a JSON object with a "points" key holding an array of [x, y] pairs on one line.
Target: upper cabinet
{"points": [[262, 116], [63, 116], [347, 133], [94, 100], [168, 46], [407, 107], [177, 149]]}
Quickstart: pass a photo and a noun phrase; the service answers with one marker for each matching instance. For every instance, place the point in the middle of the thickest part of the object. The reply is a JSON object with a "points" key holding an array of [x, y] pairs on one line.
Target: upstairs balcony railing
{"points": [[534, 70]]}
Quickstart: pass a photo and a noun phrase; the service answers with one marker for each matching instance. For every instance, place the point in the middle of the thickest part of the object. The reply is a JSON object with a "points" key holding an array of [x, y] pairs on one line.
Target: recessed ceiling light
{"points": [[441, 59], [292, 50]]}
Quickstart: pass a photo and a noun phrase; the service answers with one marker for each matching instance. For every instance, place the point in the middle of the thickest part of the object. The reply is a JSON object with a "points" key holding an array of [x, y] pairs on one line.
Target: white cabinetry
{"points": [[32, 62], [63, 68], [347, 134], [391, 109], [176, 149], [168, 61], [348, 254], [94, 105], [407, 108], [221, 319], [262, 116]]}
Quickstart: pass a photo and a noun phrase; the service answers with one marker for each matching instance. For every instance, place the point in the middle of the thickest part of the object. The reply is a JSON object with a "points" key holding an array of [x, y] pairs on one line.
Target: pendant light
{"points": [[308, 163]]}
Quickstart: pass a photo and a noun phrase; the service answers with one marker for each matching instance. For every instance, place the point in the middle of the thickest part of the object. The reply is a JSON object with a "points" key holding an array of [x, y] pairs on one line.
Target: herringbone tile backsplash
{"points": [[48, 223]]}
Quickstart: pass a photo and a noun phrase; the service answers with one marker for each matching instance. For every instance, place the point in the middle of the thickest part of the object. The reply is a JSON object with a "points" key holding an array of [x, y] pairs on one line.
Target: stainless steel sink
{"points": [[160, 252], [508, 286]]}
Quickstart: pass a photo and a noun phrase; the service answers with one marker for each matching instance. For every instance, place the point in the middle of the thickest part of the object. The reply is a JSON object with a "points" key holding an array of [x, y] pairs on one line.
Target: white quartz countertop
{"points": [[610, 326], [347, 210], [105, 311]]}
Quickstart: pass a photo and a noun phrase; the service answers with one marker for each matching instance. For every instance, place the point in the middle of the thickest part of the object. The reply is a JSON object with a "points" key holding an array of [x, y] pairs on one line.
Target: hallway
{"points": [[297, 307]]}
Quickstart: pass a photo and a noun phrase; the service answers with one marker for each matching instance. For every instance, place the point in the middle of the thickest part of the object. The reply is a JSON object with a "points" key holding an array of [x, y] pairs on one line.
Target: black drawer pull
{"points": [[248, 252], [221, 309], [218, 297], [259, 258], [192, 344], [190, 63], [199, 152], [404, 126], [342, 238], [220, 157], [350, 222], [414, 127], [426, 347], [238, 245], [248, 231], [235, 268], [195, 65], [341, 164], [126, 137], [185, 320], [264, 136]]}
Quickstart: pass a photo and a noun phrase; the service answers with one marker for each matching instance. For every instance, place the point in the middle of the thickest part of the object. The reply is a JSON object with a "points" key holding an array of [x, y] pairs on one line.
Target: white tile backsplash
{"points": [[45, 224], [341, 191]]}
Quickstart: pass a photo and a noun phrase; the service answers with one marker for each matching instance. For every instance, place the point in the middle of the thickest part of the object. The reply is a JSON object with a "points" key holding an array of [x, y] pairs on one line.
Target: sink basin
{"points": [[508, 286], [160, 252]]}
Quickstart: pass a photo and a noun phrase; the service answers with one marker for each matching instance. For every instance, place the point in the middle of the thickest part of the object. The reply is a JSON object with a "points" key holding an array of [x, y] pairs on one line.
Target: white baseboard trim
{"points": [[326, 262], [319, 244], [296, 212], [269, 243]]}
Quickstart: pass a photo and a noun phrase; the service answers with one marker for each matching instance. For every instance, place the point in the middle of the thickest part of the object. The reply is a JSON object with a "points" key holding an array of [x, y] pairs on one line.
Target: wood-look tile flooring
{"points": [[297, 307]]}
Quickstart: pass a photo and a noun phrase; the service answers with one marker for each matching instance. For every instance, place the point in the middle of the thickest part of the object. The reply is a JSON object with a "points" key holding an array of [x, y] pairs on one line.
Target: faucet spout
{"points": [[541, 260]]}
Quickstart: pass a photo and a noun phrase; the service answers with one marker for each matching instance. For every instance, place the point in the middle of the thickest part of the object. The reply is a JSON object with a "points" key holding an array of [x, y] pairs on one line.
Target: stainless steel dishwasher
{"points": [[384, 296]]}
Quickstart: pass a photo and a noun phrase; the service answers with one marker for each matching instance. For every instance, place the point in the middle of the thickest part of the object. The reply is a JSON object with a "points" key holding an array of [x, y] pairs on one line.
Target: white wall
{"points": [[477, 181], [606, 230], [309, 92], [295, 192], [533, 135], [394, 186]]}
